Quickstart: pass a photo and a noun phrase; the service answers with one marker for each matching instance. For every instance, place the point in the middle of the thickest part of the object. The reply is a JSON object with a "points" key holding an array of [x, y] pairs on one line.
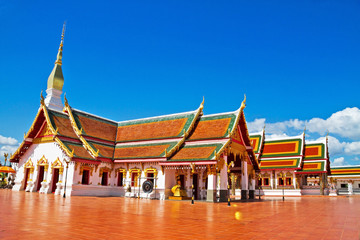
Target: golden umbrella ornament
{"points": [[6, 169]]}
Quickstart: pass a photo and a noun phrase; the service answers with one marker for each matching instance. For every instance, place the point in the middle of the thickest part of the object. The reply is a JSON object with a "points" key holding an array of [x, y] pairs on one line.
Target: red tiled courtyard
{"points": [[34, 216]]}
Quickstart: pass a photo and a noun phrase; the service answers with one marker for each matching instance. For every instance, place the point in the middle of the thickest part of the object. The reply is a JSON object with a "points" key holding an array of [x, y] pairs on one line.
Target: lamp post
{"points": [[67, 166], [282, 175], [192, 194], [228, 185], [259, 185]]}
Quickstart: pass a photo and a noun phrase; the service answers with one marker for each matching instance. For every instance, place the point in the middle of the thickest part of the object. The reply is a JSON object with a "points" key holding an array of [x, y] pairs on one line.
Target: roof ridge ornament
{"points": [[42, 101], [202, 103], [66, 101], [243, 103]]}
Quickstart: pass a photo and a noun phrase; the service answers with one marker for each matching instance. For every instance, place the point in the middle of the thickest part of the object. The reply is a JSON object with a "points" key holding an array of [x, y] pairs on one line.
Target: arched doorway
{"points": [[28, 170], [42, 168], [57, 170]]}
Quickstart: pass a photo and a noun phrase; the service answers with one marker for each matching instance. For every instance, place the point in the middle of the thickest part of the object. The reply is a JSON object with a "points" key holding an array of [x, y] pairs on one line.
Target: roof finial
{"points": [[202, 103], [41, 97], [243, 104], [59, 55], [327, 133], [65, 99], [304, 130]]}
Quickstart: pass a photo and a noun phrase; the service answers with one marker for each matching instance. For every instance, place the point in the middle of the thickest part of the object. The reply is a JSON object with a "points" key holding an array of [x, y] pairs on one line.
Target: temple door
{"points": [[55, 180], [195, 183], [26, 177], [40, 178]]}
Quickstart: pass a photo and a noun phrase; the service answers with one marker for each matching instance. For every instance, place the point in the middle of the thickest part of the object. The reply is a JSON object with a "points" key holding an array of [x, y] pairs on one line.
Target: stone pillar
{"points": [[350, 187], [321, 178], [274, 180], [244, 180], [233, 183], [252, 187], [224, 181], [211, 187]]}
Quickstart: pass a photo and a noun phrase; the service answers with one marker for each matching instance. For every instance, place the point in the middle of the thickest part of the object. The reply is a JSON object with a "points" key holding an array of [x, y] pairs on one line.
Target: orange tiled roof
{"points": [[169, 126], [216, 126], [79, 150], [143, 151], [197, 152], [106, 151], [97, 128], [62, 122], [152, 130]]}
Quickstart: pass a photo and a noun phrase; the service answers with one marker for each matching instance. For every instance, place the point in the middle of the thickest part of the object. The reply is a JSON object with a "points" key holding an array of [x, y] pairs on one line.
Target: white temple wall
{"points": [[50, 151]]}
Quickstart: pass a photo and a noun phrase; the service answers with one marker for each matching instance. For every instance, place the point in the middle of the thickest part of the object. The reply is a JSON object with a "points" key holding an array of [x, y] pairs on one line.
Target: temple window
{"points": [[260, 182], [281, 181], [134, 179], [266, 181], [288, 181], [150, 177], [104, 179], [85, 177], [120, 179], [343, 185]]}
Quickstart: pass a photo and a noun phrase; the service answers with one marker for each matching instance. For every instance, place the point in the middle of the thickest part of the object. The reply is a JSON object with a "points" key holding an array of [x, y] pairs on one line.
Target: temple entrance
{"points": [[134, 179], [55, 179], [196, 185], [40, 177], [27, 171], [104, 179], [182, 181], [150, 177], [85, 177], [120, 179]]}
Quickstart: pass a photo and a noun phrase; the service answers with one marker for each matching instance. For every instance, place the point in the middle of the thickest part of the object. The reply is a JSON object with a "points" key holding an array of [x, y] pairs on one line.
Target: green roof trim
{"points": [[172, 144], [279, 163], [217, 145], [259, 139], [285, 154], [322, 156]]}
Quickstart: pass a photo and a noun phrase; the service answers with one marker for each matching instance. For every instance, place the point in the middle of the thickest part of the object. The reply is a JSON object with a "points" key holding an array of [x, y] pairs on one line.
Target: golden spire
{"points": [[59, 55], [56, 78]]}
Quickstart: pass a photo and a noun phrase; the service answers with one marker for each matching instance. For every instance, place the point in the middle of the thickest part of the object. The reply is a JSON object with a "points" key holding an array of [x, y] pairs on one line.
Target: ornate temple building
{"points": [[290, 166], [180, 155], [208, 157]]}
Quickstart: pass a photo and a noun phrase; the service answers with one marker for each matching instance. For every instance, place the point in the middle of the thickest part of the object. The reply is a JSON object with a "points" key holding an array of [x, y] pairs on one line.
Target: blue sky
{"points": [[297, 62]]}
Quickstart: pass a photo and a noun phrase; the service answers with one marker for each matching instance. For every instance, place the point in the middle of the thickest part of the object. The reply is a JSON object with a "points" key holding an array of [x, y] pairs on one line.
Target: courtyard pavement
{"points": [[39, 216]]}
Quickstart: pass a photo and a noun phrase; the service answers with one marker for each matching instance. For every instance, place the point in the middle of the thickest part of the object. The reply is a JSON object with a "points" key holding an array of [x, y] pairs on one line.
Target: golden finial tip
{"points": [[63, 31], [202, 103], [41, 97], [243, 104]]}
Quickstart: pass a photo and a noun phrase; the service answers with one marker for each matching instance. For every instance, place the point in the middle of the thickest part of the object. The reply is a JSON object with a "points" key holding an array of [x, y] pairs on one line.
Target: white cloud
{"points": [[338, 162], [8, 141], [7, 145], [345, 123], [335, 146], [275, 136], [256, 126], [352, 148]]}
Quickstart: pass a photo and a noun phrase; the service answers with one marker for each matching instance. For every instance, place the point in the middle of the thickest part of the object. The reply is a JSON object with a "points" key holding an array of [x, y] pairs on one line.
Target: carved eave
{"points": [[64, 148], [239, 112], [94, 153], [27, 139], [186, 133]]}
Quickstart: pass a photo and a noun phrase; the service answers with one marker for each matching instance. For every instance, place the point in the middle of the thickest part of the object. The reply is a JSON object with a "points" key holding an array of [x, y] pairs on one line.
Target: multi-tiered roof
{"points": [[170, 139]]}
